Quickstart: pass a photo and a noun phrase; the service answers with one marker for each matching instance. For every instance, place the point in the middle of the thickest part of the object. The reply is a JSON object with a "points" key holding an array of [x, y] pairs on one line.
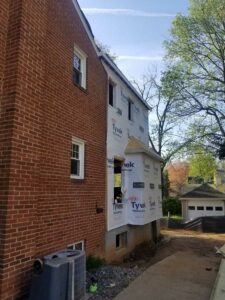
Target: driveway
{"points": [[183, 275]]}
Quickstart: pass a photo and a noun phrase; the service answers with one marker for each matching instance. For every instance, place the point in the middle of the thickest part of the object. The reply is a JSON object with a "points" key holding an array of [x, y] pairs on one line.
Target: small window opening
{"points": [[121, 240], [191, 207], [76, 246], [130, 110], [219, 208], [200, 207], [118, 181], [209, 208], [111, 94]]}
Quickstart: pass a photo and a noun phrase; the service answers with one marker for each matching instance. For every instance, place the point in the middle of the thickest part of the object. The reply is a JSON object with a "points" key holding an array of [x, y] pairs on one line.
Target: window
{"points": [[79, 68], [209, 208], [130, 110], [152, 186], [121, 240], [111, 93], [191, 207], [76, 246], [118, 181], [219, 208], [200, 207], [77, 159]]}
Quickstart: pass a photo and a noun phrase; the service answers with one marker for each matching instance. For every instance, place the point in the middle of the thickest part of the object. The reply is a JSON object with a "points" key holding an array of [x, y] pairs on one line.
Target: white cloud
{"points": [[125, 12], [132, 57]]}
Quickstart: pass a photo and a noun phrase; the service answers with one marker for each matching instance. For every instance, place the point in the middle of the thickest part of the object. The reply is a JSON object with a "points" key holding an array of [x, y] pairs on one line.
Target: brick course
{"points": [[42, 210]]}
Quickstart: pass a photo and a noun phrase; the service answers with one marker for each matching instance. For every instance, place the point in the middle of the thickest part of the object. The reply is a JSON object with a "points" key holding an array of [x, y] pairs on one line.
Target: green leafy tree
{"points": [[196, 74], [202, 165], [173, 206]]}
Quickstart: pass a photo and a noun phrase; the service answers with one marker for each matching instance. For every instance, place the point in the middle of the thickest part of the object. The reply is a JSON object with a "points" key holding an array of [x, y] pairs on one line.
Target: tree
{"points": [[165, 125], [196, 74], [178, 175], [172, 206], [203, 165], [106, 50]]}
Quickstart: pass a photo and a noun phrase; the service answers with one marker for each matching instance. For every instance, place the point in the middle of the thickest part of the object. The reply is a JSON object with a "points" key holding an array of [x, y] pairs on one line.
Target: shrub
{"points": [[94, 262], [172, 205]]}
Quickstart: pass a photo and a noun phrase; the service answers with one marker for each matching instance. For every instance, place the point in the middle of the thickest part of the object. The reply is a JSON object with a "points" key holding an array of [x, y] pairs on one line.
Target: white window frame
{"points": [[73, 246], [83, 57], [81, 144]]}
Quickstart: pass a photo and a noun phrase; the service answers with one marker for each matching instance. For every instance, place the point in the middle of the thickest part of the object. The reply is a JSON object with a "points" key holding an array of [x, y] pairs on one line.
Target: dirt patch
{"points": [[148, 254]]}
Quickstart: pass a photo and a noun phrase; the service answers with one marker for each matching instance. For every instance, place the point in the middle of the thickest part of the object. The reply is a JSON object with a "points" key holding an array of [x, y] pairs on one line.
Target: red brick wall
{"points": [[44, 209], [4, 10]]}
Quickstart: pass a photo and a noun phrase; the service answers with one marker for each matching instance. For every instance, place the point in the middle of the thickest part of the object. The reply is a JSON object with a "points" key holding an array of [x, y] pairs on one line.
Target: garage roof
{"points": [[204, 191]]}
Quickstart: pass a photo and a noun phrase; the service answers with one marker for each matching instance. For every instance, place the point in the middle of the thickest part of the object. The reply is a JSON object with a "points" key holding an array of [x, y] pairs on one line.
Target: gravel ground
{"points": [[112, 279]]}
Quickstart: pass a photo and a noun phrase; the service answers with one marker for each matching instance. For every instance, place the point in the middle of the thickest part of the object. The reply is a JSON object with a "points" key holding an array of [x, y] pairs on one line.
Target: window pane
{"points": [[219, 208], [71, 247], [75, 151], [209, 208], [75, 167], [191, 207], [200, 207], [77, 76], [79, 246], [77, 62]]}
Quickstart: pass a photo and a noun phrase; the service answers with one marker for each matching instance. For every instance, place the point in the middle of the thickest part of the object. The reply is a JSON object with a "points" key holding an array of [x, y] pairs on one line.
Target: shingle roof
{"points": [[204, 191]]}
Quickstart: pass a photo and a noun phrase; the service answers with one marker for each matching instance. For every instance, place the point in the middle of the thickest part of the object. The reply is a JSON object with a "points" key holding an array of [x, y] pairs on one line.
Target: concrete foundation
{"points": [[135, 235]]}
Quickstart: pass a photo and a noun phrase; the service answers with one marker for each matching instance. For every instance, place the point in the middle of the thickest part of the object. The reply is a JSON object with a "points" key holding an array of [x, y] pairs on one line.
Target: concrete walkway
{"points": [[183, 275]]}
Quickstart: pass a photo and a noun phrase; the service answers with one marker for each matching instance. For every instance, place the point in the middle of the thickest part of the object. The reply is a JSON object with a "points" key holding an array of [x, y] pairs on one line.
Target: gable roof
{"points": [[119, 73], [104, 56], [204, 191], [136, 146]]}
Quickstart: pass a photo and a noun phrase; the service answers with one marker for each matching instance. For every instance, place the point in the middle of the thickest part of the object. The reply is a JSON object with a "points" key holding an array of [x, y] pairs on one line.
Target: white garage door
{"points": [[205, 208]]}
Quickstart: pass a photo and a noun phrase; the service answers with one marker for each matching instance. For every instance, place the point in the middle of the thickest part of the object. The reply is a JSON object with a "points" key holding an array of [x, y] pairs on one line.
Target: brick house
{"points": [[53, 91]]}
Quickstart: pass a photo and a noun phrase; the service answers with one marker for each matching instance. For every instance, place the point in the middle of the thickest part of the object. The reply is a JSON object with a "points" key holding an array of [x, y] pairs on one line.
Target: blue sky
{"points": [[134, 30]]}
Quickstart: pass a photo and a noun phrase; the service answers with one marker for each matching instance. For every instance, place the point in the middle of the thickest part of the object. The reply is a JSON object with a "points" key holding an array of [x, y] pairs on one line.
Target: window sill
{"points": [[80, 87], [76, 177], [112, 107], [121, 248]]}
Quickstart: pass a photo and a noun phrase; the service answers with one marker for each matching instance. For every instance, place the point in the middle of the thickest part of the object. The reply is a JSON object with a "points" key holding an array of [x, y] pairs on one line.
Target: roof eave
{"points": [[86, 25], [149, 153]]}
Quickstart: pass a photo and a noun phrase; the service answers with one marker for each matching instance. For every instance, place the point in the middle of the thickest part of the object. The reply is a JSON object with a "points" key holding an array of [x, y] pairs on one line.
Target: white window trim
{"points": [[73, 246], [83, 58], [81, 145]]}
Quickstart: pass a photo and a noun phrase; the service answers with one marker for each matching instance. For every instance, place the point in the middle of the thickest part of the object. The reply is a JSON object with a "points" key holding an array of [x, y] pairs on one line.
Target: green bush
{"points": [[172, 205], [94, 262]]}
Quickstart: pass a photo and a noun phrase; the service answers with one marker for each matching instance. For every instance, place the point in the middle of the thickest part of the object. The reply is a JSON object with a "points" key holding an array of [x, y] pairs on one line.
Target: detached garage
{"points": [[203, 201]]}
